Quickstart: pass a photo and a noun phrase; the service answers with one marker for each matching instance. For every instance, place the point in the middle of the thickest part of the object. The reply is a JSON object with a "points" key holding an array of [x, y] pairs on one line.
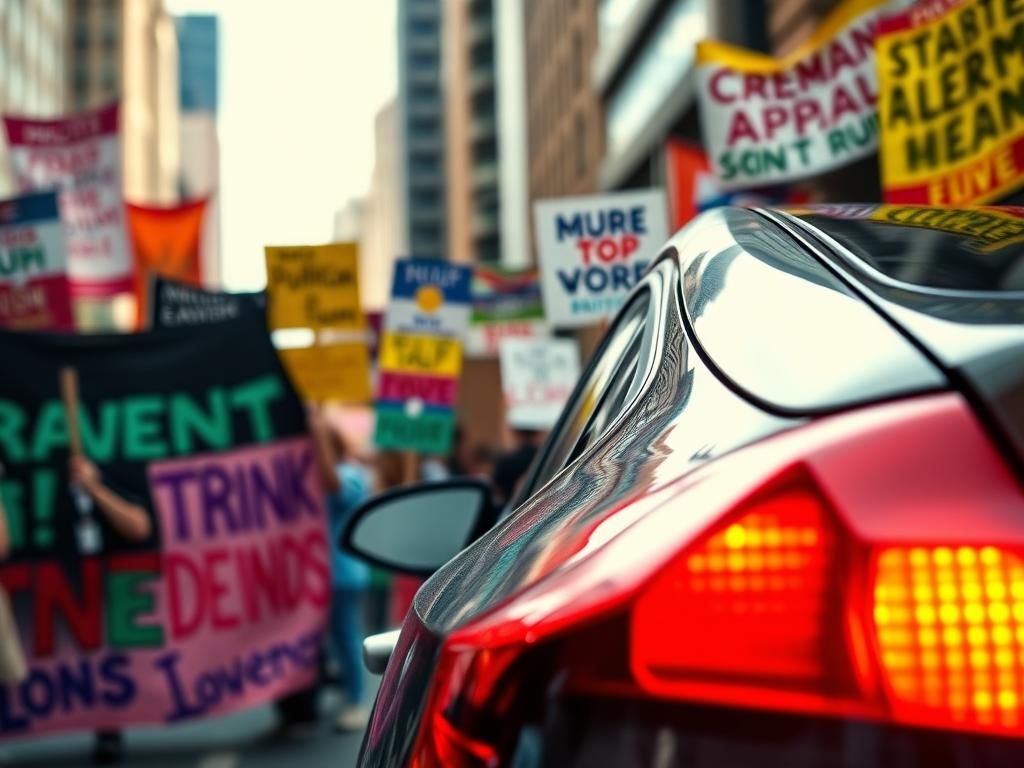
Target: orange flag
{"points": [[167, 243]]}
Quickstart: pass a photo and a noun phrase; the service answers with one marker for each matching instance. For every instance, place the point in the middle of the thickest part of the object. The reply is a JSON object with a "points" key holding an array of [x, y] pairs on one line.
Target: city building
{"points": [[644, 72], [349, 220], [421, 126], [32, 56], [514, 145], [383, 237], [471, 131], [566, 129], [127, 50], [198, 101], [197, 63]]}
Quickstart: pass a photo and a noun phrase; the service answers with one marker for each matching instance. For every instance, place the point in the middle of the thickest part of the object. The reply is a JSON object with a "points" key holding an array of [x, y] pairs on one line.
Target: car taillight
{"points": [[870, 566], [759, 598], [949, 622]]}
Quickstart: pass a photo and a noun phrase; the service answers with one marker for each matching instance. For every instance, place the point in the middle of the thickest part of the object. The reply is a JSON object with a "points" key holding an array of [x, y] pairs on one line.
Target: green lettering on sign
{"points": [[126, 604], [143, 433], [430, 432]]}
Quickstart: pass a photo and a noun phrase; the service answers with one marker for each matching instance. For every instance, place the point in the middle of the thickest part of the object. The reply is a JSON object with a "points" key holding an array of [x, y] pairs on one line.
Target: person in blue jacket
{"points": [[347, 485]]}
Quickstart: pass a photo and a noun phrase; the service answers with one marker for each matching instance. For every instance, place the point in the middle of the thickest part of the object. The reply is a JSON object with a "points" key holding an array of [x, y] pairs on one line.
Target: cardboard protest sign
{"points": [[951, 103], [314, 286], [421, 355], [177, 305], [167, 242], [81, 156], [693, 187], [768, 120], [506, 304], [34, 289], [593, 250], [330, 372], [222, 605], [537, 378]]}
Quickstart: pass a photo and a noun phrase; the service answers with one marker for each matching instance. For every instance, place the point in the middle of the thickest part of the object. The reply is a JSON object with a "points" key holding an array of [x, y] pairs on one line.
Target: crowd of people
{"points": [[364, 600]]}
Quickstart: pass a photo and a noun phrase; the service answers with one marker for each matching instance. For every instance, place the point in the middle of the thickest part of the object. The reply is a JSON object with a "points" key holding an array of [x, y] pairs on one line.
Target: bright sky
{"points": [[300, 83]]}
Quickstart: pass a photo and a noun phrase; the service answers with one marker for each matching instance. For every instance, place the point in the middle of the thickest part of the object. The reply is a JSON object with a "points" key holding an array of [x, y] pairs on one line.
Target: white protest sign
{"points": [[593, 251], [537, 377]]}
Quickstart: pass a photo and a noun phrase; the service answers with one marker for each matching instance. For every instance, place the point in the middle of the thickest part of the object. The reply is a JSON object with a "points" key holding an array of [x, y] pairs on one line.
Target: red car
{"points": [[780, 522]]}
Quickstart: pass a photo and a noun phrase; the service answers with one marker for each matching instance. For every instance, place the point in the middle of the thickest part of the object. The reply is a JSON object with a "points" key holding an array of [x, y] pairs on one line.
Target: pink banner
{"points": [[81, 157], [229, 613]]}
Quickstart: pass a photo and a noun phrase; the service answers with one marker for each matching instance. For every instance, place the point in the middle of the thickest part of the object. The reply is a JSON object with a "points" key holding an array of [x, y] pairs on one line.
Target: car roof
{"points": [[952, 249], [781, 326]]}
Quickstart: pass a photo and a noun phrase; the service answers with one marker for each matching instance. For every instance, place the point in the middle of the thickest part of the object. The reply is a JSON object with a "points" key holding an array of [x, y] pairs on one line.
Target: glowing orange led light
{"points": [[950, 629]]}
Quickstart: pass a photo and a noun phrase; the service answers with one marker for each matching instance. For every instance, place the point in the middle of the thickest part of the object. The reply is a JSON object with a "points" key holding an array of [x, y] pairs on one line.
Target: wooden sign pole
{"points": [[69, 394]]}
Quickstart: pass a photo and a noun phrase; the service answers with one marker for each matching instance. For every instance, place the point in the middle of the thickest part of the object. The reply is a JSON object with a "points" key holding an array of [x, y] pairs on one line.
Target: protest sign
{"points": [[693, 187], [177, 305], [222, 604], [506, 304], [537, 378], [314, 286], [34, 290], [768, 120], [951, 102], [81, 157], [167, 243], [421, 355], [593, 250], [330, 372]]}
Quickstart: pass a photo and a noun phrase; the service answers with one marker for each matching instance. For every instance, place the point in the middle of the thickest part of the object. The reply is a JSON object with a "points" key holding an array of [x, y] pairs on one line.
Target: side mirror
{"points": [[416, 530]]}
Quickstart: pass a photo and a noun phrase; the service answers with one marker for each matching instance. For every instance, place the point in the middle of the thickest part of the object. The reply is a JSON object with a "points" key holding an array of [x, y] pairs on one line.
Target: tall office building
{"points": [[127, 50], [471, 131], [421, 129], [198, 74], [382, 234], [566, 129], [32, 72]]}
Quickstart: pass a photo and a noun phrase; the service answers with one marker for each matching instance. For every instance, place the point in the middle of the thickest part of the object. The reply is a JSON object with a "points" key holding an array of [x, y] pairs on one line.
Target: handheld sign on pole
{"points": [[593, 250], [80, 155], [34, 290], [537, 378], [421, 355], [317, 287]]}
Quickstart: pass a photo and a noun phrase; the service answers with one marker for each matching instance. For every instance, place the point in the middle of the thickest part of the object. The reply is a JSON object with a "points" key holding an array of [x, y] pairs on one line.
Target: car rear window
{"points": [[970, 249]]}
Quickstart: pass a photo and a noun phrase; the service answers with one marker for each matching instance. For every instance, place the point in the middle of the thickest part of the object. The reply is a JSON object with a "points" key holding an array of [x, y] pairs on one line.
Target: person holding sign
{"points": [[347, 485], [127, 519]]}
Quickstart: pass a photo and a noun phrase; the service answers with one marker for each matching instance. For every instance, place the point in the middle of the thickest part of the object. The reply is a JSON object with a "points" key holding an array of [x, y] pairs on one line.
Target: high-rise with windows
{"points": [[421, 119], [198, 90], [566, 130], [127, 50], [471, 131], [32, 51]]}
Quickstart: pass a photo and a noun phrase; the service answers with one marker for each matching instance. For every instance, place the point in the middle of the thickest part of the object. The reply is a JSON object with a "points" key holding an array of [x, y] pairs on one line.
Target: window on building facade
{"points": [[577, 59], [581, 146]]}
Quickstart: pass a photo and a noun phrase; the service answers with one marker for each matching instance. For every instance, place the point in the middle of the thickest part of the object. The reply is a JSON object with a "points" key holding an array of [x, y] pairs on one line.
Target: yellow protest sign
{"points": [[313, 286], [951, 102], [418, 353], [331, 372]]}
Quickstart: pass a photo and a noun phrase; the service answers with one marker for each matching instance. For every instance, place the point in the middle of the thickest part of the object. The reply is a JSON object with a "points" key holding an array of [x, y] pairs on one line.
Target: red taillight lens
{"points": [[758, 599], [949, 624]]}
